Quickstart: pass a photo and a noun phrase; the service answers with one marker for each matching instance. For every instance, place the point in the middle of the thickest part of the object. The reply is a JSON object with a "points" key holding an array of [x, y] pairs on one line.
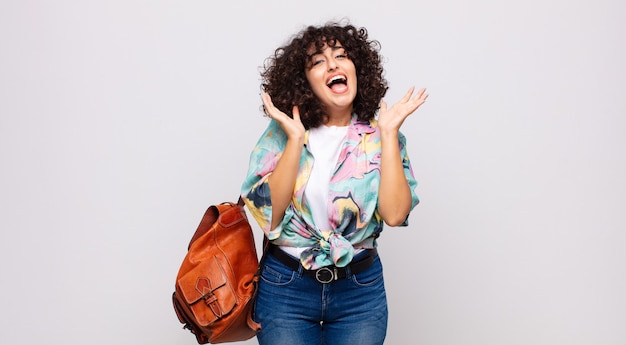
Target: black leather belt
{"points": [[326, 274]]}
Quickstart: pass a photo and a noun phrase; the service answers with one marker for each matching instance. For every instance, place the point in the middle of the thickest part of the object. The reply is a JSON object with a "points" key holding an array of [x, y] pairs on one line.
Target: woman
{"points": [[323, 178]]}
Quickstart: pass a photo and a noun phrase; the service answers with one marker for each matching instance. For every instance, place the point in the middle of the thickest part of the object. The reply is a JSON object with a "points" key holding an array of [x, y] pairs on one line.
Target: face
{"points": [[332, 77]]}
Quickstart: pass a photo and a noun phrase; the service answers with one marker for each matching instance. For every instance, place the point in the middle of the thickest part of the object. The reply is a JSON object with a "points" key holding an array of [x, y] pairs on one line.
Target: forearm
{"points": [[394, 194], [283, 179]]}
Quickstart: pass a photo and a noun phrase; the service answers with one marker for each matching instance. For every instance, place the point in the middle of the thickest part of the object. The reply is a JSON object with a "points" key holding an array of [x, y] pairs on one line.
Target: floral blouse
{"points": [[352, 198]]}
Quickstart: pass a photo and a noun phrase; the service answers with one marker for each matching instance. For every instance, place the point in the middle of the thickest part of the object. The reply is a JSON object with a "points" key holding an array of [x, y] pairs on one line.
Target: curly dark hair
{"points": [[284, 79]]}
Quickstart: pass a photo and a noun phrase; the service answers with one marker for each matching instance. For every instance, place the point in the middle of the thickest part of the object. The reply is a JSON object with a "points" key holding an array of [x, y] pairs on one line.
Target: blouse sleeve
{"points": [[408, 173], [255, 190]]}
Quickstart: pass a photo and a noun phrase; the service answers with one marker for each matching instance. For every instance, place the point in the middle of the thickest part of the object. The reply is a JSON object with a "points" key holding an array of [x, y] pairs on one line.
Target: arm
{"points": [[282, 180], [394, 195]]}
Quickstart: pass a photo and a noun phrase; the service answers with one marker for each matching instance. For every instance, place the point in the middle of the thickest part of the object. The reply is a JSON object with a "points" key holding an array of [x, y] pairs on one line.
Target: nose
{"points": [[332, 65]]}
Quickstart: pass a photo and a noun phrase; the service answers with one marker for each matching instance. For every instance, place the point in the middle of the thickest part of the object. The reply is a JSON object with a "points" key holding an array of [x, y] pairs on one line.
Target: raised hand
{"points": [[293, 127], [391, 119]]}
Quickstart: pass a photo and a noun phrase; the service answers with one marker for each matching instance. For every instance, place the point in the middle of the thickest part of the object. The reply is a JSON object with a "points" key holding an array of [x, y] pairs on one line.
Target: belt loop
{"points": [[300, 269], [348, 271]]}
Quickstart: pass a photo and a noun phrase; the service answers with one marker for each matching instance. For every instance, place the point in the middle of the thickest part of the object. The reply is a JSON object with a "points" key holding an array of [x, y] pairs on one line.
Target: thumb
{"points": [[296, 113], [383, 107]]}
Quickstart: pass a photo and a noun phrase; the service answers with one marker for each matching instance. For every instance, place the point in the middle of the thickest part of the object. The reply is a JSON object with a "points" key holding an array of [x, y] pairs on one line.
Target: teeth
{"points": [[336, 78]]}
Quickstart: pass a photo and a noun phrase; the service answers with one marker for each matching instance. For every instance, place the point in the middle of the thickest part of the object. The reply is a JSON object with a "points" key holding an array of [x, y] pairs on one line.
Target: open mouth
{"points": [[337, 83]]}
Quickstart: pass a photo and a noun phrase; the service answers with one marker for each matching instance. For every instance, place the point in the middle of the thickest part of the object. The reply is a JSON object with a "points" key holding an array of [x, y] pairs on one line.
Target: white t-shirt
{"points": [[325, 144]]}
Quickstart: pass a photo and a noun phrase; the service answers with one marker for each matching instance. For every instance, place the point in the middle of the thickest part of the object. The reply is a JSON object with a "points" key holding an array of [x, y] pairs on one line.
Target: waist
{"points": [[296, 251], [327, 274]]}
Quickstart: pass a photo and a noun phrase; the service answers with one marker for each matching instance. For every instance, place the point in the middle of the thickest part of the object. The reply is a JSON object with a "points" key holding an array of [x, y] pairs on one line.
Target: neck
{"points": [[339, 119]]}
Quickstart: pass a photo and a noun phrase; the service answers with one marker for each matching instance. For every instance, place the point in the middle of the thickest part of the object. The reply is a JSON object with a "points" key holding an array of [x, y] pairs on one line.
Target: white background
{"points": [[121, 121]]}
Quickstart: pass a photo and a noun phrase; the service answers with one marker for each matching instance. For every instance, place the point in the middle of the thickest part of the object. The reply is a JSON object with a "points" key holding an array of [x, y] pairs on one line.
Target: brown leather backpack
{"points": [[217, 281]]}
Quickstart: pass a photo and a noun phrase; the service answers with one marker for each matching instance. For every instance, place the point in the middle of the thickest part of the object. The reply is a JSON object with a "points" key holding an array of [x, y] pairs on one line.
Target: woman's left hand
{"points": [[391, 119]]}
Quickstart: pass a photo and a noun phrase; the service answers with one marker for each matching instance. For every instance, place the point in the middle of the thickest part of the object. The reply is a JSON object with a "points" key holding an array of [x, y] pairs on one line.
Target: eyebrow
{"points": [[333, 48]]}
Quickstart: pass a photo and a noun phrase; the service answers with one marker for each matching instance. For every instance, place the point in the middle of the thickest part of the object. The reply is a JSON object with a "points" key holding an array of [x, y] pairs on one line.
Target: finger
{"points": [[421, 93], [383, 107], [420, 97], [296, 113], [269, 106], [267, 100], [424, 95], [407, 95]]}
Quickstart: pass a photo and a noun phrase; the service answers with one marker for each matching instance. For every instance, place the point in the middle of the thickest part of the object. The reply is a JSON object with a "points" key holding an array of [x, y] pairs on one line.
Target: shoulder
{"points": [[273, 136]]}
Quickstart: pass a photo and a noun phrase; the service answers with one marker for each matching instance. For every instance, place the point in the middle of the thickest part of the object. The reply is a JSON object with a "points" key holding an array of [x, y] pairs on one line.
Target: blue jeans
{"points": [[295, 309]]}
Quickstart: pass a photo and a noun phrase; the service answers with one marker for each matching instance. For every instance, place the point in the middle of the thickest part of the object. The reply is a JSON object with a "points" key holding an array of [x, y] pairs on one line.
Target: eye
{"points": [[316, 61], [341, 56]]}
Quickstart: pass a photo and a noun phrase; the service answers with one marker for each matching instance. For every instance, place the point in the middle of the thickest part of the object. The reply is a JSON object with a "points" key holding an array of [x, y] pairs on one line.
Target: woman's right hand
{"points": [[293, 127]]}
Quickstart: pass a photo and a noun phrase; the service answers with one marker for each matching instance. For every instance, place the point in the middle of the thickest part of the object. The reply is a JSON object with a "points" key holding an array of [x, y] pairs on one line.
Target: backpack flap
{"points": [[207, 293]]}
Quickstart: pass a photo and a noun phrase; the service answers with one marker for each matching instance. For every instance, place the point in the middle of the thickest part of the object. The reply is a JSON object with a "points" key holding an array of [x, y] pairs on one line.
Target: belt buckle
{"points": [[325, 275]]}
